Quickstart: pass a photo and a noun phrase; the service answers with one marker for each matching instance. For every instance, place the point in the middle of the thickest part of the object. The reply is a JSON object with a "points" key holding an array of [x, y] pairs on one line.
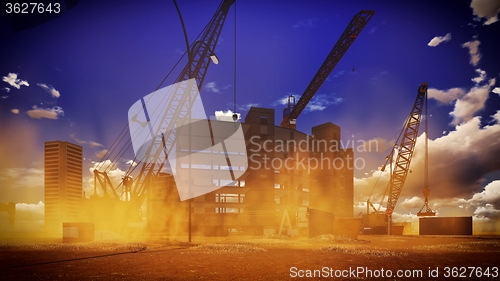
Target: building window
{"points": [[228, 198]]}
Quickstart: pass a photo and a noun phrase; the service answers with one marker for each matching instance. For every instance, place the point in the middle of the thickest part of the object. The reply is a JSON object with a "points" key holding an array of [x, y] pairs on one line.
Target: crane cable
{"points": [[426, 165], [388, 158], [234, 112]]}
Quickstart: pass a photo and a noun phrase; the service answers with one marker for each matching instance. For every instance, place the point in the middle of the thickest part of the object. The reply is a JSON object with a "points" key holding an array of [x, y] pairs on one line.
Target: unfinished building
{"points": [[287, 170]]}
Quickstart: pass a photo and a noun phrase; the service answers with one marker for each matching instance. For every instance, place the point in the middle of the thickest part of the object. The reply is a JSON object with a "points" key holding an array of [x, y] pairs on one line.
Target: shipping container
{"points": [[78, 232], [347, 227], [320, 222], [445, 226]]}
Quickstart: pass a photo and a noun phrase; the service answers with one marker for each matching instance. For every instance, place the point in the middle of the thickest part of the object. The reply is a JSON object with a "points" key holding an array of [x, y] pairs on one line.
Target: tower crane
{"points": [[200, 53], [352, 31], [401, 168]]}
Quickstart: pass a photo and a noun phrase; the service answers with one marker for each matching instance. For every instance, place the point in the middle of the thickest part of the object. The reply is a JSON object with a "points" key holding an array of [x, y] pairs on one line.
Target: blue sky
{"points": [[87, 67]]}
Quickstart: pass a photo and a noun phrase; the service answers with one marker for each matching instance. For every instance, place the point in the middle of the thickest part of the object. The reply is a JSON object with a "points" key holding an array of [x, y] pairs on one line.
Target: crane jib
{"points": [[350, 34]]}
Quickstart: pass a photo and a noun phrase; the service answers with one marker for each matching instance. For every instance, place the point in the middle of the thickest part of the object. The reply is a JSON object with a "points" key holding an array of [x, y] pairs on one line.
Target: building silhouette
{"points": [[63, 182]]}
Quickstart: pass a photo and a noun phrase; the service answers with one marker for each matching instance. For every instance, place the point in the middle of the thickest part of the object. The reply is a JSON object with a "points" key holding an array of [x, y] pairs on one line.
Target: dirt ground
{"points": [[257, 258]]}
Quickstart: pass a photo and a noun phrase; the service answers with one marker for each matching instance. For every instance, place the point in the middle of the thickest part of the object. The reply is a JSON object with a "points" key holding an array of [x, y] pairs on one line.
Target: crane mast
{"points": [[352, 31], [405, 149]]}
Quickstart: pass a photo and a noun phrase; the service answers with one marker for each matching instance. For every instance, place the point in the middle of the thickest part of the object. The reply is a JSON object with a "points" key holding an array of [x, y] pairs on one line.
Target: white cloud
{"points": [[49, 113], [467, 104], [446, 96], [15, 111], [321, 101], [486, 9], [4, 97], [212, 87], [490, 195], [225, 116], [95, 144], [473, 47], [180, 51], [31, 208], [309, 23], [92, 144], [12, 79], [100, 154], [496, 90], [55, 93], [25, 177], [487, 211], [481, 77], [377, 77], [439, 39], [472, 102], [339, 73], [247, 106], [318, 103], [131, 162], [6, 89], [412, 203], [79, 141], [101, 166], [491, 20], [483, 205], [284, 100], [29, 217]]}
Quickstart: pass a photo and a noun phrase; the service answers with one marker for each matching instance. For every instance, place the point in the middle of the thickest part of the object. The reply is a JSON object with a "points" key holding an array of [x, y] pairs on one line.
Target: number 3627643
{"points": [[32, 8]]}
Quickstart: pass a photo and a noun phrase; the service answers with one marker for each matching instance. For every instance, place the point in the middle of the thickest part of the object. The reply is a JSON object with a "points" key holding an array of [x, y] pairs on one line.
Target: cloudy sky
{"points": [[75, 77]]}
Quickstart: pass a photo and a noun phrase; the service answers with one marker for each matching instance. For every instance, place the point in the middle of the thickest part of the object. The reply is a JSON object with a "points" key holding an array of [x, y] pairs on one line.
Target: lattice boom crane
{"points": [[352, 31], [405, 149], [180, 105], [164, 137], [376, 221]]}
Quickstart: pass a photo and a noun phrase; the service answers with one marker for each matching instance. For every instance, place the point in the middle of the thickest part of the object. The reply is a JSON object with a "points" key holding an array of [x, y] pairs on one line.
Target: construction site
{"points": [[285, 176], [246, 197]]}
